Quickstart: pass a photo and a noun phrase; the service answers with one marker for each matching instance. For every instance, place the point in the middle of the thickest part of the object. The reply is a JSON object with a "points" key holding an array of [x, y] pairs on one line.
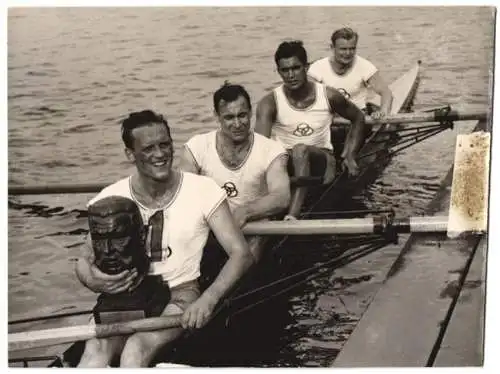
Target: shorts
{"points": [[181, 296]]}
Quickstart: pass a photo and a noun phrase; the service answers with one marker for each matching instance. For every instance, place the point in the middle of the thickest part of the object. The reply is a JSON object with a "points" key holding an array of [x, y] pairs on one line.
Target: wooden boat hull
{"points": [[327, 197]]}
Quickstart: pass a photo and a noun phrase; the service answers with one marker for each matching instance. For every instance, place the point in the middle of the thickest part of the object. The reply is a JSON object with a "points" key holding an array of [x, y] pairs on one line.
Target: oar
{"points": [[96, 187], [437, 116], [420, 117], [55, 336], [468, 209], [369, 225]]}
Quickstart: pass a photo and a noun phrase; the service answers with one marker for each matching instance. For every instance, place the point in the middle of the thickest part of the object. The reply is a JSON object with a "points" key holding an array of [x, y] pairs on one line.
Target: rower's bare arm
{"points": [[240, 259], [278, 186], [380, 86], [348, 110], [234, 244], [266, 115], [97, 281], [187, 162]]}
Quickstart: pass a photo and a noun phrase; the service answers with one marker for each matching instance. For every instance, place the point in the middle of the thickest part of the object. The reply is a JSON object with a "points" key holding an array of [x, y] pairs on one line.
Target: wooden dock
{"points": [[463, 343], [430, 309]]}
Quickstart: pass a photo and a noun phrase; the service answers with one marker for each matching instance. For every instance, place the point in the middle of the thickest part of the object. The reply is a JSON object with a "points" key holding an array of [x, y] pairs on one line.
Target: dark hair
{"points": [[139, 119], [229, 93], [291, 49], [344, 33]]}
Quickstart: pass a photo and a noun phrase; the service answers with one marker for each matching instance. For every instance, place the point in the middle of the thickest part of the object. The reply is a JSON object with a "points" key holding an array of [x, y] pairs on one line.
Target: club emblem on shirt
{"points": [[346, 94], [231, 189], [303, 130]]}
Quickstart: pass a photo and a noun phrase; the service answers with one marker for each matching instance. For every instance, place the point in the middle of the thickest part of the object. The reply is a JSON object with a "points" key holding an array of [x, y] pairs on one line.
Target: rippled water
{"points": [[73, 73]]}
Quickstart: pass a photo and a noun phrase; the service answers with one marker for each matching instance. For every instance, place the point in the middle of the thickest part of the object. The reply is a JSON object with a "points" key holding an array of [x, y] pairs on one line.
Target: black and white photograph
{"points": [[248, 186]]}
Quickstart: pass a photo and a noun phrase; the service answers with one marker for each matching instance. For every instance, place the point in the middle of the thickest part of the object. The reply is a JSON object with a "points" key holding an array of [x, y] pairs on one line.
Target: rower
{"points": [[251, 168], [352, 74], [178, 220], [299, 113]]}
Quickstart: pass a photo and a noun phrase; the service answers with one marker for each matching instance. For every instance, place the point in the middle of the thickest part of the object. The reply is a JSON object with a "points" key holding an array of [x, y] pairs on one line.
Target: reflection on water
{"points": [[74, 73]]}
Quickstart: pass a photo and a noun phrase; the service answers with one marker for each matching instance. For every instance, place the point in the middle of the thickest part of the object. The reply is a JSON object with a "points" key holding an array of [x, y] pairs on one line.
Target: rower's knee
{"points": [[141, 348], [138, 351], [98, 353]]}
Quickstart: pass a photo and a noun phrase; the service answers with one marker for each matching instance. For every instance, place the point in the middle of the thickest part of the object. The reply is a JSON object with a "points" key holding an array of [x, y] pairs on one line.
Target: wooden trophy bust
{"points": [[118, 239]]}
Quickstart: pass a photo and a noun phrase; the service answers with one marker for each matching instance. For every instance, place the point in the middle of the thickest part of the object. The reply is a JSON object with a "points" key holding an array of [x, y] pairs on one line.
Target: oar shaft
{"points": [[421, 117], [96, 187], [44, 338], [311, 227], [141, 325], [345, 226], [57, 189]]}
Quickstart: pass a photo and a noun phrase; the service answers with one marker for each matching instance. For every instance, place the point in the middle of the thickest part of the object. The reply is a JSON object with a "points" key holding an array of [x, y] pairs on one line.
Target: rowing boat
{"points": [[373, 159]]}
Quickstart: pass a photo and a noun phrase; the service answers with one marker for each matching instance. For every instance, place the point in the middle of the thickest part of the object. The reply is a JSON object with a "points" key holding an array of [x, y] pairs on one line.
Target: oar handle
{"points": [[142, 325]]}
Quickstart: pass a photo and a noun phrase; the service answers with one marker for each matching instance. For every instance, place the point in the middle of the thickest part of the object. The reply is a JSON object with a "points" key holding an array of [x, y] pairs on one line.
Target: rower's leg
{"points": [[369, 109], [99, 353], [323, 162], [300, 159], [256, 244], [141, 348]]}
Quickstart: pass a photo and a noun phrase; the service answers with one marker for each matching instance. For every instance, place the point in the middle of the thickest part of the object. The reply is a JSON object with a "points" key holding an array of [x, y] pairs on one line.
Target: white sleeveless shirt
{"points": [[184, 228], [352, 84], [245, 183], [309, 126]]}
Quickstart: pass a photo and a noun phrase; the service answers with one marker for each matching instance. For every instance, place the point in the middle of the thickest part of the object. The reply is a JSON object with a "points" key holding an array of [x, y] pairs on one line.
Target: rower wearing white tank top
{"points": [[354, 76], [309, 126], [299, 114], [251, 168]]}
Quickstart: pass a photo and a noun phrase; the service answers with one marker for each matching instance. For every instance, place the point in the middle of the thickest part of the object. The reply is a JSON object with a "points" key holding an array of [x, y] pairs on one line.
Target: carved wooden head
{"points": [[117, 234]]}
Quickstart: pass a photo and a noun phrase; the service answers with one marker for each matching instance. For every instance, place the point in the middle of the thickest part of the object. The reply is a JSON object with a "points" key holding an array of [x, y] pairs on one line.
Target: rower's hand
{"points": [[198, 313], [351, 165], [240, 216], [115, 283]]}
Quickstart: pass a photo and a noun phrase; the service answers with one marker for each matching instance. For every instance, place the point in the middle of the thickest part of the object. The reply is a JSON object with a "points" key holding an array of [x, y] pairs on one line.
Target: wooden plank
{"points": [[403, 324], [463, 343]]}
